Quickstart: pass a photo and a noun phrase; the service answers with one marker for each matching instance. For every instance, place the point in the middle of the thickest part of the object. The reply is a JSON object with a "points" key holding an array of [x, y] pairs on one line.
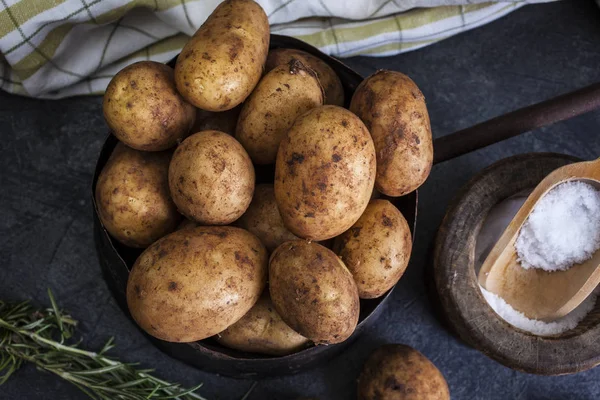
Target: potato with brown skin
{"points": [[263, 331], [224, 60], [313, 292], [211, 178], [332, 85], [394, 110], [143, 109], [194, 283], [324, 173], [376, 249], [281, 96], [399, 372], [132, 196], [262, 218], [187, 223], [224, 121]]}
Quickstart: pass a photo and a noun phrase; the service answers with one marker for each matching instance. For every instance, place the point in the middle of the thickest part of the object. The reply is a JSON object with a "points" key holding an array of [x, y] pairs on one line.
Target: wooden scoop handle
{"points": [[517, 122]]}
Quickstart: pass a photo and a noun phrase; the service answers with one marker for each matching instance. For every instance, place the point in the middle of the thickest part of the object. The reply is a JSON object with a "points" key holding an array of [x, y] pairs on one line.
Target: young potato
{"points": [[262, 218], [334, 91], [195, 282], [313, 292], [224, 121], [324, 173], [211, 178], [224, 60], [281, 96], [263, 331], [376, 249], [132, 196], [143, 109], [399, 372], [394, 110]]}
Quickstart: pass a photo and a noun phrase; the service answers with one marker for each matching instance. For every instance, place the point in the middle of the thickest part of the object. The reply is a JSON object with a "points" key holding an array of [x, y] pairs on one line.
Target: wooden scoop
{"points": [[537, 293]]}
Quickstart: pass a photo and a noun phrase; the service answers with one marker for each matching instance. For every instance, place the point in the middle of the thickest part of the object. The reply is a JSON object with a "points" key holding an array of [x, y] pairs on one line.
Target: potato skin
{"points": [[211, 178], [224, 60], [332, 85], [186, 223], [263, 331], [282, 95], [143, 109], [224, 121], [313, 292], [377, 248], [196, 282], [393, 109], [399, 372], [262, 218], [132, 196], [324, 173]]}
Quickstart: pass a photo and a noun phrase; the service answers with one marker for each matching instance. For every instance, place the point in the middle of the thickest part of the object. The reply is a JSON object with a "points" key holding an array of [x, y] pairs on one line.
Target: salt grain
{"points": [[562, 230], [541, 328]]}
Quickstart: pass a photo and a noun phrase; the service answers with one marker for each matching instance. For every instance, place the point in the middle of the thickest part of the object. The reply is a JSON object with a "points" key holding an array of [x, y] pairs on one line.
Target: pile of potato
{"points": [[267, 268]]}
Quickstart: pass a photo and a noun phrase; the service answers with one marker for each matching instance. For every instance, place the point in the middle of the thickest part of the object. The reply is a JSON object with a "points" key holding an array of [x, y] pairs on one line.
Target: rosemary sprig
{"points": [[41, 337]]}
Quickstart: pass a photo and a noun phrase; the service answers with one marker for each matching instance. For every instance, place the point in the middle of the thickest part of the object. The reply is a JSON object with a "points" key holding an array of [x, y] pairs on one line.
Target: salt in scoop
{"points": [[540, 294]]}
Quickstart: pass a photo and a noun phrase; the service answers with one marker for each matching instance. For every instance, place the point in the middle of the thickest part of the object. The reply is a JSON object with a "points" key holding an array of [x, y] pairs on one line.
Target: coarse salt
{"points": [[540, 328], [563, 229]]}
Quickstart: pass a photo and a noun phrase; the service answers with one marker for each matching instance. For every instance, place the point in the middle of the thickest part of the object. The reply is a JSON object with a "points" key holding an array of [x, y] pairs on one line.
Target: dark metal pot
{"points": [[116, 260]]}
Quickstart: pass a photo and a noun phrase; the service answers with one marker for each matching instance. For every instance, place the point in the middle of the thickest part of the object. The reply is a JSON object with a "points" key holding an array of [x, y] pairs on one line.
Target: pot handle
{"points": [[517, 122]]}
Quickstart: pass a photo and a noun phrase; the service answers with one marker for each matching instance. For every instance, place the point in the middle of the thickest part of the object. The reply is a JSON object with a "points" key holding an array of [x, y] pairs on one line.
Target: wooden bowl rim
{"points": [[464, 306]]}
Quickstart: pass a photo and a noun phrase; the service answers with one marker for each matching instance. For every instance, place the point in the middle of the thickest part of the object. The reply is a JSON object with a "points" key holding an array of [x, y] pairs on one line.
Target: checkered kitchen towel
{"points": [[59, 48]]}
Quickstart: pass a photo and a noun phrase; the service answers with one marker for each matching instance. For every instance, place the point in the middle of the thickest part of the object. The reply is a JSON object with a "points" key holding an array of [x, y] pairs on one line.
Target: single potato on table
{"points": [[132, 196], [196, 282], [263, 331], [324, 173], [262, 218], [224, 60], [393, 109], [143, 109], [313, 292], [211, 178], [376, 249], [399, 372], [331, 83], [282, 95]]}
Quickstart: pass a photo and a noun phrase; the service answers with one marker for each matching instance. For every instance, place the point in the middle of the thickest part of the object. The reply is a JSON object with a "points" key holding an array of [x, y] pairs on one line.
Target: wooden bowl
{"points": [[465, 309], [116, 260]]}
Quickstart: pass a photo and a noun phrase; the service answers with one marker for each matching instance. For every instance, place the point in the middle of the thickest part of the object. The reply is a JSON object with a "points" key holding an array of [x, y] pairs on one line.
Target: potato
{"points": [[324, 173], [143, 109], [376, 249], [195, 282], [262, 218], [313, 292], [399, 372], [224, 121], [394, 110], [211, 178], [224, 60], [262, 330], [132, 196], [187, 223], [284, 94], [334, 91]]}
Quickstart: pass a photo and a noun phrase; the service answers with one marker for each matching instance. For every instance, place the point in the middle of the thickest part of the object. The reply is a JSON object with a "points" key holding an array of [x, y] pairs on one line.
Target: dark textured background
{"points": [[48, 151]]}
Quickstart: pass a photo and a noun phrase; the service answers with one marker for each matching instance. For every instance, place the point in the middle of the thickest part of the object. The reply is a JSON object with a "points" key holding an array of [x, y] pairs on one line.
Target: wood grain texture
{"points": [[464, 306]]}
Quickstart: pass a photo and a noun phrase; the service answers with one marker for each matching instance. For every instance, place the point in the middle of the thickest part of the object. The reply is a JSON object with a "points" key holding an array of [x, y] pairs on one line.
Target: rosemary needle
{"points": [[41, 337]]}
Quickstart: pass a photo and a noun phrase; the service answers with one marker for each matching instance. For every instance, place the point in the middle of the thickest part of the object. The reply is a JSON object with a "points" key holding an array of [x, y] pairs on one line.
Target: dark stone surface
{"points": [[48, 151]]}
